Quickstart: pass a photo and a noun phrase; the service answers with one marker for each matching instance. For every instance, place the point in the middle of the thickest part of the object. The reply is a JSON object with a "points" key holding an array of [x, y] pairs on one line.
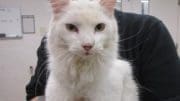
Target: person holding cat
{"points": [[145, 42]]}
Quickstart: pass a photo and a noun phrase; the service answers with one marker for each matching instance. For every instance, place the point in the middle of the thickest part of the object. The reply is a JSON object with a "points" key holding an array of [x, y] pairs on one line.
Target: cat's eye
{"points": [[100, 27], [71, 28]]}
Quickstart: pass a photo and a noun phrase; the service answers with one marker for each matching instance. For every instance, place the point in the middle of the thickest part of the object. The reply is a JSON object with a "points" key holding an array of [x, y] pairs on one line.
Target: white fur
{"points": [[96, 77]]}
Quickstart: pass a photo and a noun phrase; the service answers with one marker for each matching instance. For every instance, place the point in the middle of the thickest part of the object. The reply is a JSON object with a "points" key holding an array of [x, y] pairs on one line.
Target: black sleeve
{"points": [[147, 44], [160, 65], [36, 86]]}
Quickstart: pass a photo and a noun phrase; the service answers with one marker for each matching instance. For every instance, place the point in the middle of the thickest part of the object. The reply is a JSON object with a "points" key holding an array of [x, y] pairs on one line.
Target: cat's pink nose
{"points": [[87, 47]]}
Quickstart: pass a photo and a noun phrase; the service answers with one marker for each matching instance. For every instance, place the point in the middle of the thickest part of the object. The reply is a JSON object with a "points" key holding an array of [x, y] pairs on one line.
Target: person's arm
{"points": [[36, 86], [160, 69]]}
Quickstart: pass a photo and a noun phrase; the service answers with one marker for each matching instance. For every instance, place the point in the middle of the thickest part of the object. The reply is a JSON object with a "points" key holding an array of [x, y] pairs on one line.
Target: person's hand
{"points": [[38, 98], [35, 99]]}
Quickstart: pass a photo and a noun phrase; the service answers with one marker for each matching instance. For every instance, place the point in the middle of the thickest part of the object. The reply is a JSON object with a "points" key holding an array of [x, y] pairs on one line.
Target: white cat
{"points": [[83, 54]]}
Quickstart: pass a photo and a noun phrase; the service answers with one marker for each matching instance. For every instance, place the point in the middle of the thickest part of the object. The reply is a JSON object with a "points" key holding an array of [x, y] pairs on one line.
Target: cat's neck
{"points": [[74, 70]]}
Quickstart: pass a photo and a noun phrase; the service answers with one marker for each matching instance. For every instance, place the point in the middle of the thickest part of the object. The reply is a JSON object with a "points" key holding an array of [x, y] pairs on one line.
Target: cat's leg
{"points": [[122, 75], [119, 91], [56, 93], [130, 91], [105, 91]]}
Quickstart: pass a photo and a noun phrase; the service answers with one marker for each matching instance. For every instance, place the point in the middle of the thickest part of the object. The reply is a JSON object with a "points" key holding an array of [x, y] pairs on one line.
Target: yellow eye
{"points": [[71, 28], [100, 27]]}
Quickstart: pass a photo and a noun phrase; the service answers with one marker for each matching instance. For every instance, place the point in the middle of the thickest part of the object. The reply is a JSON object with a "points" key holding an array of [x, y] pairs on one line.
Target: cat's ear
{"points": [[109, 5], [58, 5]]}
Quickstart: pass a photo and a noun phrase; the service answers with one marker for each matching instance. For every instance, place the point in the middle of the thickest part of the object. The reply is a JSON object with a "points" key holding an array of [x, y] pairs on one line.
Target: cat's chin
{"points": [[85, 55]]}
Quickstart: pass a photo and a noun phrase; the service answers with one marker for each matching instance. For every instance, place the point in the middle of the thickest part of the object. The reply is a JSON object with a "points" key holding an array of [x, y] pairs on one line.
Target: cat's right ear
{"points": [[109, 5], [58, 5]]}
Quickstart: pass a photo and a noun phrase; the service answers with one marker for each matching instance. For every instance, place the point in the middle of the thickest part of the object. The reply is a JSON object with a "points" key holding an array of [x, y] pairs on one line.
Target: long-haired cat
{"points": [[83, 54]]}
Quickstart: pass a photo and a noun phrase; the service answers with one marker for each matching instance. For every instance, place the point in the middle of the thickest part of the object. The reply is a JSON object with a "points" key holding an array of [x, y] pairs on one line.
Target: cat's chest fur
{"points": [[91, 84]]}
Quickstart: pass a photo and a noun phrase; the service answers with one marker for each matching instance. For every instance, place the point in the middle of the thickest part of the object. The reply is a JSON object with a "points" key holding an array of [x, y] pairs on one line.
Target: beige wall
{"points": [[15, 58], [167, 11], [38, 8], [131, 6], [17, 55]]}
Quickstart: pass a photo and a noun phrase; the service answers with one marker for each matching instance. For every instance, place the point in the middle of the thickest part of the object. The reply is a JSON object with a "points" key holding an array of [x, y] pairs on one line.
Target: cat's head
{"points": [[83, 28]]}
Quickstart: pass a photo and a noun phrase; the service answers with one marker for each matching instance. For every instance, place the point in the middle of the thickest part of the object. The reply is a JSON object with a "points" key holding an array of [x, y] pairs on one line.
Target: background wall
{"points": [[131, 6], [167, 11], [15, 58], [17, 55], [38, 8]]}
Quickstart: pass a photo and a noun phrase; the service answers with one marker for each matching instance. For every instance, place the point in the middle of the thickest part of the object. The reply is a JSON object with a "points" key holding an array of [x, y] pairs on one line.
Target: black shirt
{"points": [[147, 44]]}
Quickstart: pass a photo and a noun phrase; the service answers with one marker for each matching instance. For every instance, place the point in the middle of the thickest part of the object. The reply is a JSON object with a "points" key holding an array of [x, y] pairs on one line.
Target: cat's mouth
{"points": [[87, 53]]}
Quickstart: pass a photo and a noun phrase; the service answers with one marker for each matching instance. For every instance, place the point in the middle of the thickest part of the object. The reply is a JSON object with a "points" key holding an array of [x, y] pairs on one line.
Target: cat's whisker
{"points": [[135, 46], [41, 67], [38, 78], [64, 56], [133, 35]]}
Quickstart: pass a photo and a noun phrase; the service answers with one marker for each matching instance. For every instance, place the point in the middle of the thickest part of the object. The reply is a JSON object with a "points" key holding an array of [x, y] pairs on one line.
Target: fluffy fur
{"points": [[76, 76]]}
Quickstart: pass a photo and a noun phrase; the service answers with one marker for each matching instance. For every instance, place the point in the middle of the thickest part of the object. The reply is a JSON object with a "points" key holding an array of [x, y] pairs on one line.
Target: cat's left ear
{"points": [[109, 5]]}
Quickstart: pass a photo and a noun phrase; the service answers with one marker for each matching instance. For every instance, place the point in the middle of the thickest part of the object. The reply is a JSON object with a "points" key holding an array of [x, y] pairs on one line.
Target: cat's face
{"points": [[83, 28]]}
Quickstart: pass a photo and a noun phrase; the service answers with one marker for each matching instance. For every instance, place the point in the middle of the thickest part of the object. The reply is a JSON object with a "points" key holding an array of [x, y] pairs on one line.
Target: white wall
{"points": [[39, 8], [17, 55], [15, 58], [131, 6], [167, 11]]}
